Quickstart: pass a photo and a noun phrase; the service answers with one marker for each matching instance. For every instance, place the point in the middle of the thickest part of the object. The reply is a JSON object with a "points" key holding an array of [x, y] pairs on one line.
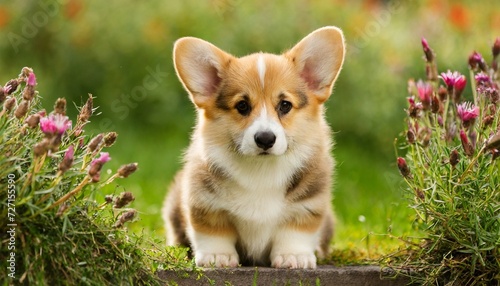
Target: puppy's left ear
{"points": [[318, 58]]}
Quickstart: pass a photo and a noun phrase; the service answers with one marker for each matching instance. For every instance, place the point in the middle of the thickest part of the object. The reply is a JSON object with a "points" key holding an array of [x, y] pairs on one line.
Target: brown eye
{"points": [[243, 107], [284, 107]]}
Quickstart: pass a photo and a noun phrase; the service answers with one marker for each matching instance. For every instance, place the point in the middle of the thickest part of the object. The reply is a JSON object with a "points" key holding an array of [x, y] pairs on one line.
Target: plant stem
{"points": [[71, 193]]}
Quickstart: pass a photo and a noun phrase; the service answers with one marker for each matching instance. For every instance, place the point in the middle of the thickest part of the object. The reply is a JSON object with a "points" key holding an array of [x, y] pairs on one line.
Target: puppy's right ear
{"points": [[199, 66]]}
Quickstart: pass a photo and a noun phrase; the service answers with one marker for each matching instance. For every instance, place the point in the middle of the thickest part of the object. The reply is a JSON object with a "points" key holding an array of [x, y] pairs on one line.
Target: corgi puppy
{"points": [[256, 184]]}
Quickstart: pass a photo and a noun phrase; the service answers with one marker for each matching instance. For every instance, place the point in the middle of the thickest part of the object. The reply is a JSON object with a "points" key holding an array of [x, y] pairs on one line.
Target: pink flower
{"points": [[31, 80], [467, 111], [96, 166], [455, 82], [102, 159], [450, 79], [460, 83], [482, 79], [54, 124], [424, 92]]}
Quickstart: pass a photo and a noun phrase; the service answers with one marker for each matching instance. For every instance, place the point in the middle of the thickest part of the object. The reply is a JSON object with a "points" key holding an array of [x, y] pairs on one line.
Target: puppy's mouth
{"points": [[264, 153]]}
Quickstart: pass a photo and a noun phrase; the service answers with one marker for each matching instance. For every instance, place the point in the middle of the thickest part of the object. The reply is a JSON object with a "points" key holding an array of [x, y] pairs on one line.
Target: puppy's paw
{"points": [[217, 259], [293, 261]]}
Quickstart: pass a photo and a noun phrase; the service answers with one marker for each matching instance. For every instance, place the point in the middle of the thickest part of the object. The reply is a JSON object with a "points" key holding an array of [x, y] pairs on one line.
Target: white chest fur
{"points": [[255, 196]]}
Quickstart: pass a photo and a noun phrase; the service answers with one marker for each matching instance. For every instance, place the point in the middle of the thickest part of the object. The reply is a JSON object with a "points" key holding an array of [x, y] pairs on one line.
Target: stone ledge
{"points": [[323, 275]]}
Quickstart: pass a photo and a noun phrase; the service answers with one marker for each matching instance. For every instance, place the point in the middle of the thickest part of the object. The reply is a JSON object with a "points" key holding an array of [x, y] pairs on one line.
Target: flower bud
{"points": [[9, 104], [488, 120], [454, 158], [429, 55], [110, 139], [442, 93], [28, 93], [410, 136], [466, 145], [41, 148], [436, 105], [25, 72], [54, 142], [33, 120], [86, 110], [403, 167], [11, 86], [496, 48], [67, 161], [96, 166], [60, 106], [95, 143], [476, 61], [123, 199], [126, 216], [108, 199], [21, 109], [127, 170], [492, 108], [3, 95]]}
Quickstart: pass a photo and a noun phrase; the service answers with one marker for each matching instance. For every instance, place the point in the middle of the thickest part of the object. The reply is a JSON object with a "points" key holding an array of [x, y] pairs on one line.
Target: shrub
{"points": [[56, 233], [452, 173]]}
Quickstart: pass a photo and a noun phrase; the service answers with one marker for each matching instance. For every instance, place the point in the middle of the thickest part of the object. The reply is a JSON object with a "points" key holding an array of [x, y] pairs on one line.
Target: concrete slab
{"points": [[323, 275]]}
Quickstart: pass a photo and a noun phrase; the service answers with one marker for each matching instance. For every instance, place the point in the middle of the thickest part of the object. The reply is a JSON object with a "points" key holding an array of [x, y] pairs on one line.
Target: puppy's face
{"points": [[261, 104]]}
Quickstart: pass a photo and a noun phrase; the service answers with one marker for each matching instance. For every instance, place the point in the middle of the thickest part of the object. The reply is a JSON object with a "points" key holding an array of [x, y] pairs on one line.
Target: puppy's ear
{"points": [[199, 66], [318, 58]]}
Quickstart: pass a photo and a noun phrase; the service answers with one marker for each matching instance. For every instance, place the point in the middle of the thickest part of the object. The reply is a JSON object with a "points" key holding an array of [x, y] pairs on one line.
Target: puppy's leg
{"points": [[295, 242], [213, 238], [294, 248]]}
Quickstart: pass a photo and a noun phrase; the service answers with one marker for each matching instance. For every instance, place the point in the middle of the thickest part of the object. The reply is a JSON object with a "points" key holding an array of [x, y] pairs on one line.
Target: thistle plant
{"points": [[51, 177], [451, 169]]}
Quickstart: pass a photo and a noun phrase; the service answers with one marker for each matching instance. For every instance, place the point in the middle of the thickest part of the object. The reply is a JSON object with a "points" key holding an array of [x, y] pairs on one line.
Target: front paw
{"points": [[216, 259], [293, 261]]}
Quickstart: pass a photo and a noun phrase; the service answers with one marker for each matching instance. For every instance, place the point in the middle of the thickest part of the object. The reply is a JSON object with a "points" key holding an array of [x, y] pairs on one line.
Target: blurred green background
{"points": [[120, 51]]}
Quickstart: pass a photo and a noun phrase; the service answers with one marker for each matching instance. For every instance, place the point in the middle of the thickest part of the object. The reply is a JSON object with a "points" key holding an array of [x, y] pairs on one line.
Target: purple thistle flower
{"points": [[54, 124]]}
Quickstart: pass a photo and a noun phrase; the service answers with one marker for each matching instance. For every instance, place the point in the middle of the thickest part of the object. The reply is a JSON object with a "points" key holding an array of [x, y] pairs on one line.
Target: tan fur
{"points": [[233, 202]]}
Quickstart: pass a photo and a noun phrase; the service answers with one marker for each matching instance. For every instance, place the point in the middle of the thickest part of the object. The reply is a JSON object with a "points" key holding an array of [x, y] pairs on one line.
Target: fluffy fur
{"points": [[255, 186]]}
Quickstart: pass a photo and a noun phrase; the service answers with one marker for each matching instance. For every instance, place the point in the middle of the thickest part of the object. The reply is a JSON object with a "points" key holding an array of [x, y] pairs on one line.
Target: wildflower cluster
{"points": [[452, 172], [55, 173]]}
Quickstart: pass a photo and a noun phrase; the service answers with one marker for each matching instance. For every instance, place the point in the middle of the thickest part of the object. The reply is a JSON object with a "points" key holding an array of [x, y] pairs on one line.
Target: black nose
{"points": [[265, 139]]}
